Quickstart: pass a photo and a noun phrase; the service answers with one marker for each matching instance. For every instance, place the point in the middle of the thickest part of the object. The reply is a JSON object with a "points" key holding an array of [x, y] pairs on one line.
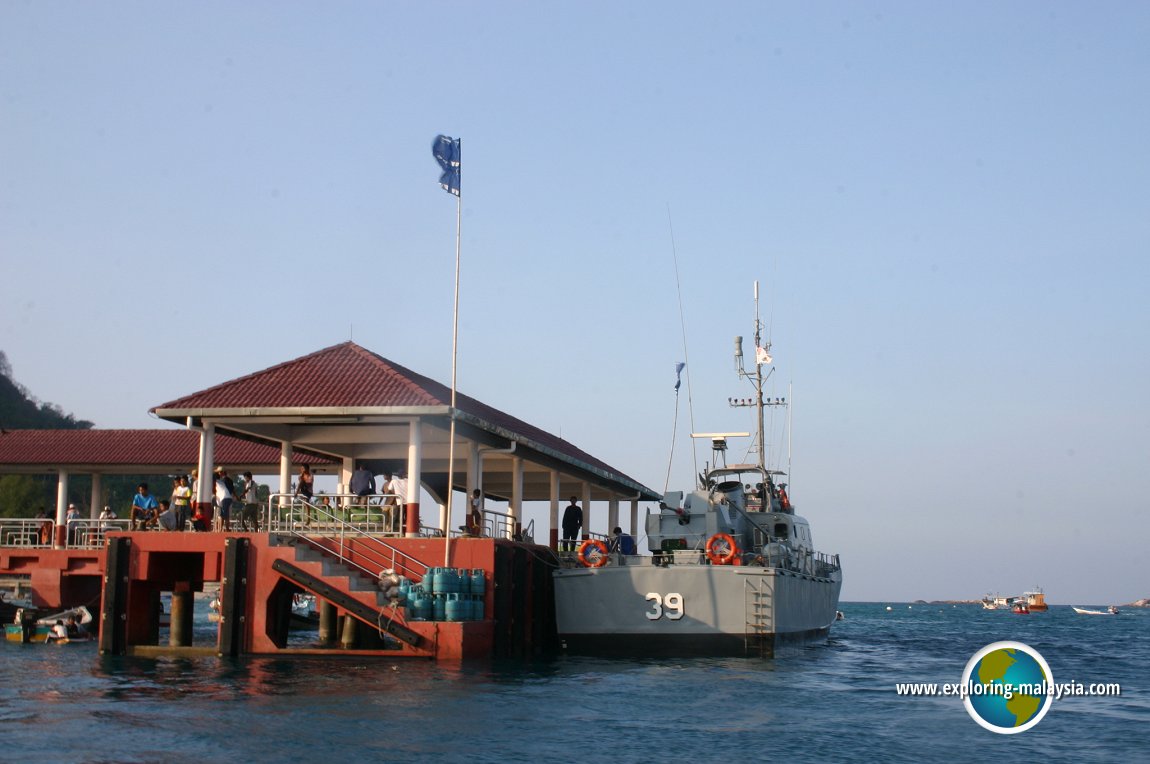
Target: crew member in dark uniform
{"points": [[572, 522]]}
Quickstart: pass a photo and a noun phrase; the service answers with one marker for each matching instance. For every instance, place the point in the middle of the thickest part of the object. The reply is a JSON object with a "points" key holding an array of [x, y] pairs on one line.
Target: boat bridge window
{"points": [[780, 530]]}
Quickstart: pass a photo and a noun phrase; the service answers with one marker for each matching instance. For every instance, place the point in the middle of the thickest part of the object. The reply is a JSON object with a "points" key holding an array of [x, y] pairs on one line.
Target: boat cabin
{"points": [[741, 500]]}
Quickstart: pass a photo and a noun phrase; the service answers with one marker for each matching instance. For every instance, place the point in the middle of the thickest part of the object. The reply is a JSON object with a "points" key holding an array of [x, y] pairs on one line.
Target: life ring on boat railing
{"points": [[721, 549], [587, 546]]}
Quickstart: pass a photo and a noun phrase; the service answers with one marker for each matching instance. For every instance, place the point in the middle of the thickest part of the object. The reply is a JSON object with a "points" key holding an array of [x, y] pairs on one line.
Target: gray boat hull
{"points": [[691, 609]]}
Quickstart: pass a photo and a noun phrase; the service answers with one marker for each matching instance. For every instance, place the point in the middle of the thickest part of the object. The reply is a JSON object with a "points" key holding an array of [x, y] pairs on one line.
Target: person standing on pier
{"points": [[474, 525], [72, 518], [250, 514], [305, 490], [181, 501], [572, 522], [225, 495], [45, 527], [396, 487], [105, 516]]}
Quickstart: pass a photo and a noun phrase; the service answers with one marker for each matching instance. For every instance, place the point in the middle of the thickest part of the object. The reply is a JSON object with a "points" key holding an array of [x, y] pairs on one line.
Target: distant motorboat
{"points": [[1021, 607], [996, 602], [1112, 610]]}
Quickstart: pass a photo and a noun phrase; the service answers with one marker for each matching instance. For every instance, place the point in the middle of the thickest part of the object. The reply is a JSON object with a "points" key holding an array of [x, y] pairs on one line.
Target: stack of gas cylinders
{"points": [[446, 594]]}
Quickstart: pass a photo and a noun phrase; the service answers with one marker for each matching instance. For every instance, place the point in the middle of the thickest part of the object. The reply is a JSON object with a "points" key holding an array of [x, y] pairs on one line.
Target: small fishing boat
{"points": [[996, 602], [1036, 600], [1020, 607], [1112, 610], [25, 629]]}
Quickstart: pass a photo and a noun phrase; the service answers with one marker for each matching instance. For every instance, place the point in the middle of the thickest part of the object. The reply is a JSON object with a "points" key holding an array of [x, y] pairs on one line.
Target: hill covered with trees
{"points": [[23, 495], [20, 410]]}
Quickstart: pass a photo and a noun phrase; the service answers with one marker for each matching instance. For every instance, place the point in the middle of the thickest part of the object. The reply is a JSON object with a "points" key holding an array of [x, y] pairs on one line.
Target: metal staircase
{"points": [[348, 588]]}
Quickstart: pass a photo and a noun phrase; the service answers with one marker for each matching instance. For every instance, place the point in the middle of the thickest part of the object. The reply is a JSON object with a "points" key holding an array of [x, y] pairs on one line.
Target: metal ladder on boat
{"points": [[757, 601]]}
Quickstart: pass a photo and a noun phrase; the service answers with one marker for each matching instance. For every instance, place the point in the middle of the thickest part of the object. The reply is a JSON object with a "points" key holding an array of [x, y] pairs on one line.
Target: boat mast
{"points": [[762, 356], [759, 383]]}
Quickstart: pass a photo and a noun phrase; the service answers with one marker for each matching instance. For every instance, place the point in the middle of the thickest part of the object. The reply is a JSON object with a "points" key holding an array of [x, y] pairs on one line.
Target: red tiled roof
{"points": [[130, 447], [342, 375], [349, 376]]}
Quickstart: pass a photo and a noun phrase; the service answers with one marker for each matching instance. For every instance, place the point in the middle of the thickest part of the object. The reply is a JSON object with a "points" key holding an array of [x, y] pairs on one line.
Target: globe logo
{"points": [[1009, 687]]}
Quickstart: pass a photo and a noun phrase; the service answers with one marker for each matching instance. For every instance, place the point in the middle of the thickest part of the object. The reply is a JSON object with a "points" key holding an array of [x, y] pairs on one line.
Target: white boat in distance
{"points": [[997, 602], [1112, 610], [734, 570]]}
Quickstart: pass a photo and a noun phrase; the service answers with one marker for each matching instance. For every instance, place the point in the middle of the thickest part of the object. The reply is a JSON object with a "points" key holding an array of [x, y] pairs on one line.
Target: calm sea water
{"points": [[834, 702]]}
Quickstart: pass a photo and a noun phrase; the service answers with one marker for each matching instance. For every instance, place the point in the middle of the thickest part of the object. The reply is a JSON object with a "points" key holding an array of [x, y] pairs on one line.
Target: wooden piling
{"points": [[180, 624]]}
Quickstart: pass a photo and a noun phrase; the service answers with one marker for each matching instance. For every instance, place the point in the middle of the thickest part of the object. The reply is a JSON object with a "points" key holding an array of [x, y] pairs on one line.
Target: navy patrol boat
{"points": [[733, 569]]}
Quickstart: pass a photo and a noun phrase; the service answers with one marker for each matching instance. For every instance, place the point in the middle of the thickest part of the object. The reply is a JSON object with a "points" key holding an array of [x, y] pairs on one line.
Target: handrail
{"points": [[39, 533], [283, 509], [500, 525], [370, 547]]}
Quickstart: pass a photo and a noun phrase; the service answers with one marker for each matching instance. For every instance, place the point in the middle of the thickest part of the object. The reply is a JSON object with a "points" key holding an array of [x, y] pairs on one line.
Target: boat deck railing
{"points": [[571, 559]]}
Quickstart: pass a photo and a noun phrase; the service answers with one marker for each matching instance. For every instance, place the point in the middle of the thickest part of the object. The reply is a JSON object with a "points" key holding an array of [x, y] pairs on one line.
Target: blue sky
{"points": [[946, 207]]}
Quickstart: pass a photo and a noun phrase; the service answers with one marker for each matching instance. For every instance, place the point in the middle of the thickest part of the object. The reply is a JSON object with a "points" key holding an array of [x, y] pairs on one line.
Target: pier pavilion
{"points": [[351, 405], [335, 408]]}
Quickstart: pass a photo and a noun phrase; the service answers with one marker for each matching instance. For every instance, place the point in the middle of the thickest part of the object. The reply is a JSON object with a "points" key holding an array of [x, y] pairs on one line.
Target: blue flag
{"points": [[447, 151], [678, 374]]}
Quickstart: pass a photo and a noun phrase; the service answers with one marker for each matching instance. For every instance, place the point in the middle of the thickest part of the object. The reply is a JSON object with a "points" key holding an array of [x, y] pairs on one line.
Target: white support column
{"points": [[415, 477], [635, 520], [474, 470], [516, 509], [204, 486], [345, 471], [444, 519], [285, 468], [60, 536], [554, 517], [282, 511], [612, 514], [587, 509], [97, 504]]}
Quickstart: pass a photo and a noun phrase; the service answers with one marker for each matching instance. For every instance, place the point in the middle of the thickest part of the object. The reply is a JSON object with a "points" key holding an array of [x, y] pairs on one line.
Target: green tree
{"points": [[22, 496]]}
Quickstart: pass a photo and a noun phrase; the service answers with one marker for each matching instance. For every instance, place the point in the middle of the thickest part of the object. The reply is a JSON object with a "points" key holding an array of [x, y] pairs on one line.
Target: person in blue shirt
{"points": [[145, 510], [622, 542]]}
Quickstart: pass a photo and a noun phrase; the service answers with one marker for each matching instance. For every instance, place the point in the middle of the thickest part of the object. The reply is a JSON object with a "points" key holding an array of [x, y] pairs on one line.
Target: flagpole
{"points": [[454, 359]]}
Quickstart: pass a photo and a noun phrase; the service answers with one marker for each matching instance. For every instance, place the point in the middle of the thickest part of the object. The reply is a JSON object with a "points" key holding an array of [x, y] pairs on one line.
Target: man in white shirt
{"points": [[396, 488], [59, 633]]}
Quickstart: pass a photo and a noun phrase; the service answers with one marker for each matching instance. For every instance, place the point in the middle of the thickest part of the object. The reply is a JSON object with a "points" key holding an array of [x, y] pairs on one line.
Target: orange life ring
{"points": [[718, 557], [589, 544]]}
